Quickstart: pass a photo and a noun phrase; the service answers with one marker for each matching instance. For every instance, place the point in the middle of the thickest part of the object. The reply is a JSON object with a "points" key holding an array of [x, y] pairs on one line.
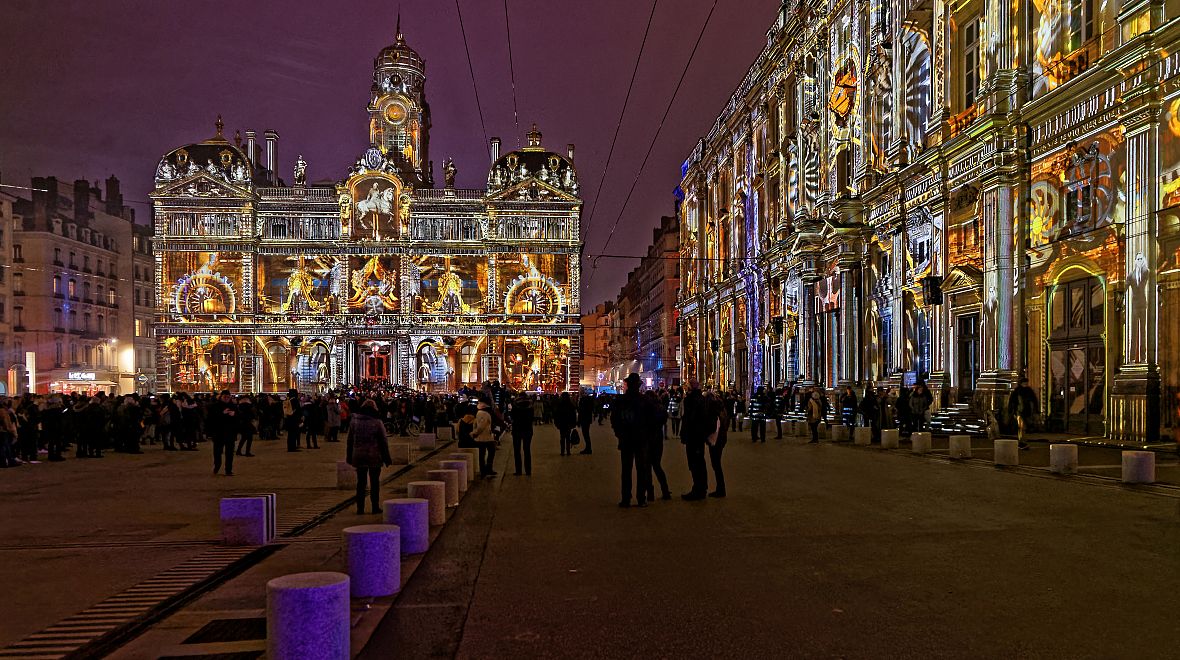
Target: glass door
{"points": [[1077, 358], [968, 355]]}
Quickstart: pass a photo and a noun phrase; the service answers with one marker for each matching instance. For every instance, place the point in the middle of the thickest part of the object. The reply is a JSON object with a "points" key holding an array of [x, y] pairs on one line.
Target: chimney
{"points": [[569, 151], [114, 197], [272, 140], [81, 201], [251, 145], [495, 149], [41, 201]]}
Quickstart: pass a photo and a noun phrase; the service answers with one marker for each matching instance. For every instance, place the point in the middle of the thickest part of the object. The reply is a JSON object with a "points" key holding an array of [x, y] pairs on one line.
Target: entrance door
{"points": [[377, 366], [968, 355], [1077, 358]]}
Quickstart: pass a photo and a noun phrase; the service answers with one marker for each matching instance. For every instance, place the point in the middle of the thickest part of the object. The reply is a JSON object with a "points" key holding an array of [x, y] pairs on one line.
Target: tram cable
{"points": [[659, 128], [511, 70], [622, 114], [471, 68]]}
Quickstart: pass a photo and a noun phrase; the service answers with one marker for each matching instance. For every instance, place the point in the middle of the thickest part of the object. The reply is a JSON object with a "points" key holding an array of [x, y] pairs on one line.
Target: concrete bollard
{"points": [[374, 557], [839, 433], [1138, 467], [435, 493], [307, 616], [960, 446], [271, 516], [863, 436], [800, 429], [825, 431], [1007, 452], [412, 517], [426, 440], [890, 438], [451, 479], [345, 476], [400, 452], [469, 459], [244, 521], [459, 466], [1063, 459], [920, 442]]}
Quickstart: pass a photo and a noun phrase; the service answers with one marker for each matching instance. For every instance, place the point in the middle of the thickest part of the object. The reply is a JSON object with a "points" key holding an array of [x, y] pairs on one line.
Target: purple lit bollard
{"points": [[451, 479], [307, 617], [374, 560], [470, 459], [412, 517], [460, 467]]}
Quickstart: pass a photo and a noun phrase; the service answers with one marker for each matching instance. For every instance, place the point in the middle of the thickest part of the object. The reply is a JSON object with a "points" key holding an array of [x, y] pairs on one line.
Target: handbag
{"points": [[575, 439]]}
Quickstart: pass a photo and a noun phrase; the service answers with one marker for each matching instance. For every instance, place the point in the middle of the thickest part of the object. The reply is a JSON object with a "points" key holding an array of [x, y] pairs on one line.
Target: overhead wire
{"points": [[474, 86], [511, 70], [659, 128], [622, 114]]}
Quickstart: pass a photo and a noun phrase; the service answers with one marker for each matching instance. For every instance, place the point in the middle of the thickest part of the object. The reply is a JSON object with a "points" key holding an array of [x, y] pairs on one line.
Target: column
{"points": [[940, 60], [1135, 400], [849, 340], [897, 354], [998, 354], [939, 315], [493, 293]]}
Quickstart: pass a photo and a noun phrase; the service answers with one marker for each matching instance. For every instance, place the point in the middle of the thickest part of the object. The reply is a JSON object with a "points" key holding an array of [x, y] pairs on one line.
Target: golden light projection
{"points": [[205, 286], [374, 286]]}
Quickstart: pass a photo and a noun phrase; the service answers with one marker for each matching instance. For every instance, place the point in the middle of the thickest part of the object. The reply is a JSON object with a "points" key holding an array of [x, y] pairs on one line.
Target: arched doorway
{"points": [[1077, 357]]}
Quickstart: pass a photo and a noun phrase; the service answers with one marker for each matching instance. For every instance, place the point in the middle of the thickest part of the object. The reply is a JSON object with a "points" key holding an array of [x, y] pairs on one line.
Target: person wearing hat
{"points": [[629, 418], [367, 451]]}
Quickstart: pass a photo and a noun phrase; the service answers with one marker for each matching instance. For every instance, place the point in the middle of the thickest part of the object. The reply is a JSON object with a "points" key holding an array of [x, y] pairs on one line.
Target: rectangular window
{"points": [[970, 62], [85, 262], [18, 316], [57, 318], [73, 260], [138, 327], [1081, 23], [17, 252], [57, 255], [57, 352]]}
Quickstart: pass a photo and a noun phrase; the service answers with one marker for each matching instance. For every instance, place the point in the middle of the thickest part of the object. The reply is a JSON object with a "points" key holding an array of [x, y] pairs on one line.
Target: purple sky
{"points": [[99, 88]]}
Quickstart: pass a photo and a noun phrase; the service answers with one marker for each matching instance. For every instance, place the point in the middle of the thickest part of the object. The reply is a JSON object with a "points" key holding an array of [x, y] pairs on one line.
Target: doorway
{"points": [[1077, 358], [967, 367]]}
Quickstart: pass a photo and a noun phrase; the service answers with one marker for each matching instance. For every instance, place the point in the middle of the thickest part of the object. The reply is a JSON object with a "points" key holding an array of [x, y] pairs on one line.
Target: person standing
{"points": [[223, 429], [292, 418], [631, 422], [1023, 405], [565, 418], [522, 434], [483, 436], [848, 407], [332, 419], [699, 422], [716, 444], [247, 418], [815, 415], [367, 450], [313, 422], [920, 402], [8, 437], [870, 414], [655, 447], [586, 405], [674, 398]]}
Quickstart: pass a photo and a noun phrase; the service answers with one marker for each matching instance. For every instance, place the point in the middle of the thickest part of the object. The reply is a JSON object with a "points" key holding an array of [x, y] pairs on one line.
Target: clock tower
{"points": [[399, 117]]}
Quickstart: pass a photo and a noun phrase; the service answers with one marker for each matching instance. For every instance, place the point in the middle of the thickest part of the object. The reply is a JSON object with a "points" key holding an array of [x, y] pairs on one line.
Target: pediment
{"points": [[203, 184], [962, 278], [533, 189]]}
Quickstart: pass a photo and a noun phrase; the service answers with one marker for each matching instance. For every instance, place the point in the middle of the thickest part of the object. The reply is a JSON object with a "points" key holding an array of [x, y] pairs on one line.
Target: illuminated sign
{"points": [[81, 375]]}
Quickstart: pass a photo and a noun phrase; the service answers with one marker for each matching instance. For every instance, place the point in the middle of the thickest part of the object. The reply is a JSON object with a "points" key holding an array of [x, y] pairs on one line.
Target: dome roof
{"points": [[399, 54], [216, 156], [535, 162]]}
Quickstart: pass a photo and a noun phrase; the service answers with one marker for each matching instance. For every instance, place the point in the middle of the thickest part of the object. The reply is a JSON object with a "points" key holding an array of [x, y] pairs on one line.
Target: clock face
{"points": [[395, 113]]}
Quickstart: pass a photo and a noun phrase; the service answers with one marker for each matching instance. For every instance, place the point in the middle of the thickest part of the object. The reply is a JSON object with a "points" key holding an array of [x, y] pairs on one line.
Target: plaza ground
{"points": [[818, 551]]}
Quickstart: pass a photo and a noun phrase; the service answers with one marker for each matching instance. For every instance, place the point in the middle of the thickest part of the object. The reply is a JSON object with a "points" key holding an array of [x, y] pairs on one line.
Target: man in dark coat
{"points": [[522, 434], [367, 451], [699, 422], [630, 419], [222, 425], [586, 406]]}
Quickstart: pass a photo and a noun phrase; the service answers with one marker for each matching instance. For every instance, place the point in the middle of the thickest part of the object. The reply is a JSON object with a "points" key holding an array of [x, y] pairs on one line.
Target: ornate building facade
{"points": [[968, 193], [265, 286]]}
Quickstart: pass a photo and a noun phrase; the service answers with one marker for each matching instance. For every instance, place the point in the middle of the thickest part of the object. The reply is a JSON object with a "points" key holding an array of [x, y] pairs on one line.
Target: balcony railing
{"points": [[445, 229], [536, 229], [225, 225], [301, 229]]}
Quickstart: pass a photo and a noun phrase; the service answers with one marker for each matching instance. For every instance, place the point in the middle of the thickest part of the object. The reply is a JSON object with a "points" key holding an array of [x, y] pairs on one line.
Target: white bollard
{"points": [[345, 476], [412, 517], [920, 442], [960, 446], [459, 466], [426, 440], [890, 438], [1007, 452], [374, 558], [1138, 467], [1063, 459], [863, 436], [469, 459], [244, 521], [400, 452], [451, 479], [434, 492], [839, 433], [802, 430], [307, 616]]}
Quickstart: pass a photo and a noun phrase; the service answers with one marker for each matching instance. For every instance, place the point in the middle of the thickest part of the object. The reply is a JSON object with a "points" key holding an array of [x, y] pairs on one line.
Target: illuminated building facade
{"points": [[266, 286], [968, 193]]}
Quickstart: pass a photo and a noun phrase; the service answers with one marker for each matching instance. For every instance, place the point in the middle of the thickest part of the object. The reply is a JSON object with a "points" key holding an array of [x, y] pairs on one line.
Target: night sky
{"points": [[99, 88]]}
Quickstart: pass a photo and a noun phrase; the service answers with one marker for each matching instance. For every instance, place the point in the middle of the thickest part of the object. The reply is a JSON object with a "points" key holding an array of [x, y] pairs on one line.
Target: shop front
{"points": [[88, 382]]}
